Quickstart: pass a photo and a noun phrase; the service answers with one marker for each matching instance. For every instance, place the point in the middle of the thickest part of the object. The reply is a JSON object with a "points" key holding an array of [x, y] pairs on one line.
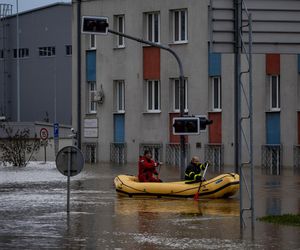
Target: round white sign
{"points": [[44, 134]]}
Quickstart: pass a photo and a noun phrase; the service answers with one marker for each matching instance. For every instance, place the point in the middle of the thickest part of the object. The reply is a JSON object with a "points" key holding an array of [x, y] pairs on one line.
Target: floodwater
{"points": [[33, 213]]}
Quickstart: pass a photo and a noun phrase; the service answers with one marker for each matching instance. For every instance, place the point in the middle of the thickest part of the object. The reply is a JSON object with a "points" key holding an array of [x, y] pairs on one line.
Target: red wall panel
{"points": [[151, 63], [299, 128], [273, 64], [215, 129]]}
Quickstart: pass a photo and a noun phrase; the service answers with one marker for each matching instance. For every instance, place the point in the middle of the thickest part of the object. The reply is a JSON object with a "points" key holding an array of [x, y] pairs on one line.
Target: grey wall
{"points": [[49, 26]]}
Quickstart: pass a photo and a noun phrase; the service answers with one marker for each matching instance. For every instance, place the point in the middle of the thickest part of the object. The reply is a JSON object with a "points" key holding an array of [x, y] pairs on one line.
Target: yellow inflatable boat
{"points": [[222, 186]]}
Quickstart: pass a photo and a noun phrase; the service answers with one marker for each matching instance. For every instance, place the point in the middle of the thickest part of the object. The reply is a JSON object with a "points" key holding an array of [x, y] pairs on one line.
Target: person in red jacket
{"points": [[147, 171]]}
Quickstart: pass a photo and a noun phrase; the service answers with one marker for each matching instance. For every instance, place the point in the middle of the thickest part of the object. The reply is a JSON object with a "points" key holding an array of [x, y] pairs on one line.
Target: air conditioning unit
{"points": [[98, 97]]}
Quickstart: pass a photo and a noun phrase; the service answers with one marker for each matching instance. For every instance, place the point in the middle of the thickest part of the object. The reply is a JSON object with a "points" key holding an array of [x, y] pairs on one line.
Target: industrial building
{"points": [[35, 64]]}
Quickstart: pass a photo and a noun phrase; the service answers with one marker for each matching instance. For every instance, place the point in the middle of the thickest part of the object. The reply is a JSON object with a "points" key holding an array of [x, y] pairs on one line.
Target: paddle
{"points": [[159, 165], [196, 196]]}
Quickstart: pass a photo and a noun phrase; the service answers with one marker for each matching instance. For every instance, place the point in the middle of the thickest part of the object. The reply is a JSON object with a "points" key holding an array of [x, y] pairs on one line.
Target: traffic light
{"points": [[190, 125], [94, 25], [186, 125], [204, 122]]}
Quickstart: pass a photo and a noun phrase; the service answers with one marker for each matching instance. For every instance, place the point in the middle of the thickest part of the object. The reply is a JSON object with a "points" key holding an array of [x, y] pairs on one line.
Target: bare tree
{"points": [[15, 145]]}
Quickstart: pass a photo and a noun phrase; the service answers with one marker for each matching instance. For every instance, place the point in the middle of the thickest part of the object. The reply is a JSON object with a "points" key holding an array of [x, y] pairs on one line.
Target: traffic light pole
{"points": [[181, 84]]}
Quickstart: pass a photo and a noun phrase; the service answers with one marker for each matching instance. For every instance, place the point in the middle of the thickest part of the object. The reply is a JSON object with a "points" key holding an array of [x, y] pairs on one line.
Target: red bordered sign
{"points": [[44, 134]]}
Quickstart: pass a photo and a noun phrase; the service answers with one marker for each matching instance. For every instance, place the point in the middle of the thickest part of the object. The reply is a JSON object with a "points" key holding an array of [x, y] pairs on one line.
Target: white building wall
{"points": [[127, 64]]}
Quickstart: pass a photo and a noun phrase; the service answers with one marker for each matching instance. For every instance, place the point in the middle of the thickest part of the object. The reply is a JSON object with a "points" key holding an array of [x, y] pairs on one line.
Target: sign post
{"points": [[44, 136], [56, 137], [69, 162]]}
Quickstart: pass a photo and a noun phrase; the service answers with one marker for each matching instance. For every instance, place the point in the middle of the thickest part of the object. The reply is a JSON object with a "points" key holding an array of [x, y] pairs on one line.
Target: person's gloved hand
{"points": [[198, 178], [207, 163]]}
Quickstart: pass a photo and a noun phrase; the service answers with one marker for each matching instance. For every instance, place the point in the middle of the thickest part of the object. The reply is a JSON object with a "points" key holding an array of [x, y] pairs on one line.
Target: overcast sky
{"points": [[30, 4]]}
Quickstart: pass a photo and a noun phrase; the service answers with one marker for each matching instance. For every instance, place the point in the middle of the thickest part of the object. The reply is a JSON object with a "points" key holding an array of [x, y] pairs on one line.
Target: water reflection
{"points": [[33, 213], [221, 207]]}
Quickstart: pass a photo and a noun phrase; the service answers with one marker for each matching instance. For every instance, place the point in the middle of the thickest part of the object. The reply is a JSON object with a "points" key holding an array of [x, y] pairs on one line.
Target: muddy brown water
{"points": [[33, 212]]}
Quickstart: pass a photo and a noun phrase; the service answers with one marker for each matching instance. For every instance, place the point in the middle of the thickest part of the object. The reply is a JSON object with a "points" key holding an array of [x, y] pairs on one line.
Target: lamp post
{"points": [[18, 65]]}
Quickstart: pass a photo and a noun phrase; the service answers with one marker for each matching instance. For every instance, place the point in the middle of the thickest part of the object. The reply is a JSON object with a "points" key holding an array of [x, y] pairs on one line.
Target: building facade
{"points": [[39, 65], [130, 91]]}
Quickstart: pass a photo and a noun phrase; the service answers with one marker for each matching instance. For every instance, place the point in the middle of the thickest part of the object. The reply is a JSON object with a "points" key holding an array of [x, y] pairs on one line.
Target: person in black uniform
{"points": [[194, 170]]}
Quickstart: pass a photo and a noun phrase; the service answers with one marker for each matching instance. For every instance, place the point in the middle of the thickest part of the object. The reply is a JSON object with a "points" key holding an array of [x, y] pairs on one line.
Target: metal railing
{"points": [[90, 152], [271, 158], [297, 156], [118, 153], [155, 148], [214, 153], [173, 153]]}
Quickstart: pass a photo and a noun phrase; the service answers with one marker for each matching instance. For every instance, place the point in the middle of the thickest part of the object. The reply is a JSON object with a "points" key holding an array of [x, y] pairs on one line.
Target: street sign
{"points": [[69, 161], [55, 130], [44, 134]]}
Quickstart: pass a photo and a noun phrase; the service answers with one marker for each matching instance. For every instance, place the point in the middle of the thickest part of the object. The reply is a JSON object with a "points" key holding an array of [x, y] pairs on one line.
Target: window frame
{"points": [[154, 96], [151, 34], [92, 41], [120, 100], [275, 97], [120, 42], [68, 49], [47, 51], [217, 107], [176, 95], [179, 27], [92, 91]]}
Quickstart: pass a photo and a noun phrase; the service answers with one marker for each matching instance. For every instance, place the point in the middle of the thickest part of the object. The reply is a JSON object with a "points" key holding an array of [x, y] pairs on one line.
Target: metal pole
{"points": [[237, 100], [18, 65], [181, 82], [54, 89], [68, 179], [237, 52], [182, 138], [45, 151], [56, 138], [79, 74], [251, 121]]}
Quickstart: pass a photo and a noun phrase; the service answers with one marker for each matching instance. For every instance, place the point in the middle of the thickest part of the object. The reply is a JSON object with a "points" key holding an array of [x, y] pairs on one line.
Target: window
{"points": [[153, 96], [176, 87], [120, 25], [46, 51], [23, 52], [92, 91], [275, 92], [180, 26], [92, 41], [216, 93], [120, 96], [68, 50], [153, 27]]}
